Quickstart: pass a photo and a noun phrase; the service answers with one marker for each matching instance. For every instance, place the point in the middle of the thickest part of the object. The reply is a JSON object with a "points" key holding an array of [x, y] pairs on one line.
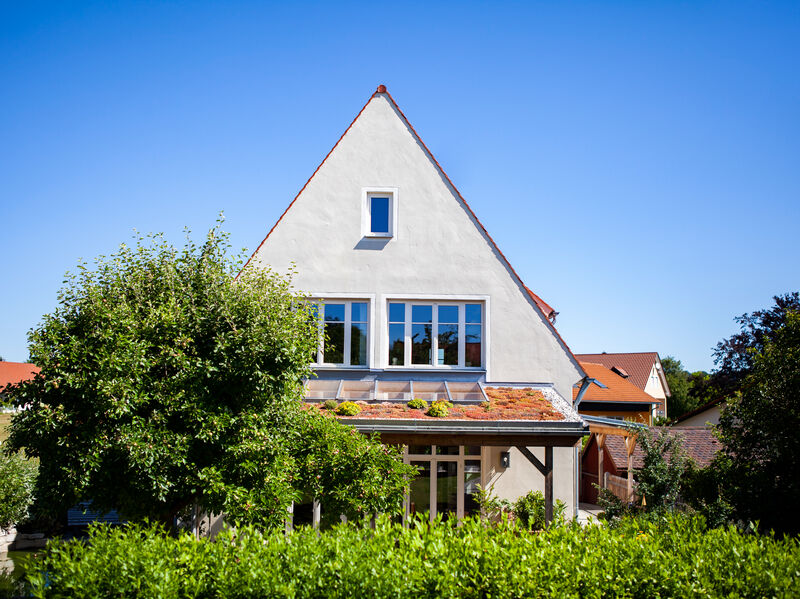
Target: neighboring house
{"points": [[705, 415], [642, 369], [417, 301], [699, 443], [618, 398], [15, 372]]}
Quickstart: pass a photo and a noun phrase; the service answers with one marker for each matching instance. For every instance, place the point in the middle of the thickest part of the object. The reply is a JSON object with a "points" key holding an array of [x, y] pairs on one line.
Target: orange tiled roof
{"points": [[504, 403], [16, 372], [619, 389], [637, 364]]}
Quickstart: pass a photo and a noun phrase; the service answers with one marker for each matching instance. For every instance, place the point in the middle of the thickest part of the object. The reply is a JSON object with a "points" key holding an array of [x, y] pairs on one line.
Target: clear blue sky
{"points": [[638, 163]]}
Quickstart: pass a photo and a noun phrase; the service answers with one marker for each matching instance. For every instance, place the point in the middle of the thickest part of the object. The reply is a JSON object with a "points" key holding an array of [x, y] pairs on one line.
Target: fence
{"points": [[617, 485]]}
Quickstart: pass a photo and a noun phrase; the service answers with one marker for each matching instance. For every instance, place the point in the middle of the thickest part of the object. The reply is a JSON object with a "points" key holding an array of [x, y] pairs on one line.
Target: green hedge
{"points": [[669, 558]]}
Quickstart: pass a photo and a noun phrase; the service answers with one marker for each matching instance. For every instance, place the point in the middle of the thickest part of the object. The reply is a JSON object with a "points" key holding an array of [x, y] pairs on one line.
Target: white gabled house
{"points": [[418, 302]]}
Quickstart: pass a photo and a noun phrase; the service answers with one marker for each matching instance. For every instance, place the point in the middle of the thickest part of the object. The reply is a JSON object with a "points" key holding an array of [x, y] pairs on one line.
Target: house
{"points": [[417, 301], [706, 415], [609, 455], [12, 373], [642, 369], [618, 398]]}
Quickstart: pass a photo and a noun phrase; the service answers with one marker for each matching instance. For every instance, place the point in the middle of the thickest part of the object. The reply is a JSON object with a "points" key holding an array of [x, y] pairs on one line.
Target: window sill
{"points": [[378, 235], [437, 368]]}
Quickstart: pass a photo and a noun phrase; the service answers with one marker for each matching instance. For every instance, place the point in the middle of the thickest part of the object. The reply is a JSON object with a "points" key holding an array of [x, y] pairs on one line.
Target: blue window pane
{"points": [[334, 312], [397, 312], [421, 344], [358, 344], [421, 313], [397, 344], [472, 313], [448, 314], [359, 312], [379, 215], [472, 345]]}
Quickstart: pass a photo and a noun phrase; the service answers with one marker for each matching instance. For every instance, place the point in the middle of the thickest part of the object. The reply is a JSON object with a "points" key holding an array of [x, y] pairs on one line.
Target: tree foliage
{"points": [[166, 380], [663, 465], [759, 426], [689, 390]]}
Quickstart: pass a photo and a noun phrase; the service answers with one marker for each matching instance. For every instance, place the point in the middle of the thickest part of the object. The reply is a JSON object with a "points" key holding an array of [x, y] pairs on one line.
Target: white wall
{"points": [[705, 418], [438, 249]]}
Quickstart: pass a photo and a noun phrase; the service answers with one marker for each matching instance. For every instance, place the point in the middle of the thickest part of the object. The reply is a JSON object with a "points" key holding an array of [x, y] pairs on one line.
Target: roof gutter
{"points": [[585, 384]]}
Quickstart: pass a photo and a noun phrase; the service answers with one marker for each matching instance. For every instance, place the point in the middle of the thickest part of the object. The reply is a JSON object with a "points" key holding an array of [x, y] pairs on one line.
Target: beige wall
{"points": [[707, 417], [522, 476]]}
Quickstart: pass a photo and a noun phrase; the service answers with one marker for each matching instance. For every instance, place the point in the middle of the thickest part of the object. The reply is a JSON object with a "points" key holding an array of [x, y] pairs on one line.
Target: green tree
{"points": [[759, 430], [663, 465], [168, 381]]}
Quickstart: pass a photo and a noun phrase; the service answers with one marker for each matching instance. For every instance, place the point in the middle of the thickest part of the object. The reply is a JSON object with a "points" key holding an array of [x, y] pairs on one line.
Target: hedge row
{"points": [[670, 558]]}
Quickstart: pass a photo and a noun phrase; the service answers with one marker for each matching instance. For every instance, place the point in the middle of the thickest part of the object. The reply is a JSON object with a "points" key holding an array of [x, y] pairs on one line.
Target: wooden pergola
{"points": [[600, 430]]}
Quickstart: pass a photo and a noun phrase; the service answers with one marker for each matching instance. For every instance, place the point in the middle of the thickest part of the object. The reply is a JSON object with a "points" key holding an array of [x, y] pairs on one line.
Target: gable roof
{"points": [[699, 443], [618, 389], [541, 307], [699, 410], [637, 364], [16, 372]]}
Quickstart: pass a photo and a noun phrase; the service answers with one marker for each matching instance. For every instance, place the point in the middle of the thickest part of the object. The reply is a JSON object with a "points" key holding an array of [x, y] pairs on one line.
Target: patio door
{"points": [[447, 482]]}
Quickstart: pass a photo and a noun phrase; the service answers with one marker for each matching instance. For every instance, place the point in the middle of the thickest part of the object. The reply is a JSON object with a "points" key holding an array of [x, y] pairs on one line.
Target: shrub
{"points": [[17, 479], [348, 408], [330, 404], [529, 510], [417, 404], [439, 409], [666, 557]]}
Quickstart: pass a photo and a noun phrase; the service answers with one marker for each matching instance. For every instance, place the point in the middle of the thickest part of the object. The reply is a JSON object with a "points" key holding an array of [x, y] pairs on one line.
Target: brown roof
{"points": [[504, 403], [638, 364], [619, 389], [699, 442], [16, 372]]}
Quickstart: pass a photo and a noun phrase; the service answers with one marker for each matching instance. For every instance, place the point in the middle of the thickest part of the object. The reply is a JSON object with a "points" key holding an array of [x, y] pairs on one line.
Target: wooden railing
{"points": [[617, 485]]}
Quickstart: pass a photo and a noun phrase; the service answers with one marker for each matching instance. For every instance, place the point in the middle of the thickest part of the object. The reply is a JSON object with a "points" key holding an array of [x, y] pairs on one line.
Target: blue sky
{"points": [[636, 162]]}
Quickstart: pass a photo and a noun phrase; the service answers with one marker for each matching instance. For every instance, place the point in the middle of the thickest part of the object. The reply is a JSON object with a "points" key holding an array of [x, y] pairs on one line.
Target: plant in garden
{"points": [[663, 466], [348, 408], [439, 409], [330, 404], [17, 477], [417, 404], [529, 510], [167, 380]]}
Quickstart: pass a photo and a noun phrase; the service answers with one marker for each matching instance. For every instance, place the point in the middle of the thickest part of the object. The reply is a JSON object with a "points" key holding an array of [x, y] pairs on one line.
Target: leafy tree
{"points": [[689, 390], [735, 356], [168, 381], [759, 426], [663, 465]]}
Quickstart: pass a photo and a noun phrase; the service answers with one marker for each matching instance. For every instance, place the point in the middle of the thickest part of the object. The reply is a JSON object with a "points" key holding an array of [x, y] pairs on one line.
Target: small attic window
{"points": [[379, 212], [620, 371]]}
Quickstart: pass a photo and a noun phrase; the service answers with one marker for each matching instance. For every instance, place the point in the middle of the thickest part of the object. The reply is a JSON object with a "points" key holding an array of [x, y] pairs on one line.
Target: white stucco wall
{"points": [[654, 388], [522, 476], [438, 250], [705, 418]]}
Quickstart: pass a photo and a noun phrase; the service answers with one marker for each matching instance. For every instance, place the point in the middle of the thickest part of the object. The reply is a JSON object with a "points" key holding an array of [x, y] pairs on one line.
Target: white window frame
{"points": [[436, 302], [348, 314], [432, 458], [367, 193]]}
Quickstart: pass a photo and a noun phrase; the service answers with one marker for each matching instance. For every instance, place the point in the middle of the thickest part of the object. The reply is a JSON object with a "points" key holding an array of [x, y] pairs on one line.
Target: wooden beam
{"points": [[601, 445], [630, 447], [547, 471], [548, 486], [608, 429], [485, 439]]}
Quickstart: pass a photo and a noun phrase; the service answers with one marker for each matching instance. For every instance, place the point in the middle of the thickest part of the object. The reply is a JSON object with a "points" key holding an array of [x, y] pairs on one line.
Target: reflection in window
{"points": [[447, 352], [472, 478], [358, 334], [420, 492], [421, 328], [397, 334], [333, 351], [472, 335], [447, 489]]}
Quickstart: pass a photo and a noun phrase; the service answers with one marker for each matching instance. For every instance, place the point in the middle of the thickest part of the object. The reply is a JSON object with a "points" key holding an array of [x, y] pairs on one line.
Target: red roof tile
{"points": [[619, 389], [504, 403], [637, 365], [16, 372]]}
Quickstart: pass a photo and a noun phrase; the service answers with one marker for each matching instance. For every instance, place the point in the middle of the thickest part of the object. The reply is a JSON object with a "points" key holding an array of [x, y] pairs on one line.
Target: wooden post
{"points": [[630, 446], [548, 485], [601, 443]]}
